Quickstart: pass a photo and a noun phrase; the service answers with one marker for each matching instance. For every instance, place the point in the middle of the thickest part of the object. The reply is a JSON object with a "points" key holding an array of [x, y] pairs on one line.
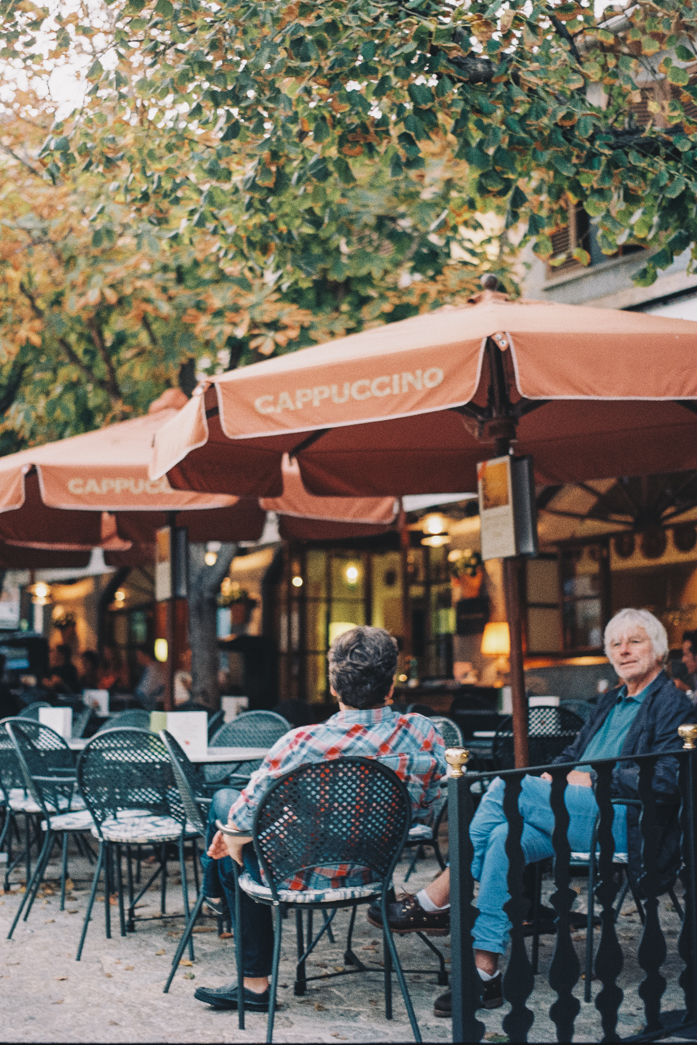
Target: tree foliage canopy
{"points": [[247, 177]]}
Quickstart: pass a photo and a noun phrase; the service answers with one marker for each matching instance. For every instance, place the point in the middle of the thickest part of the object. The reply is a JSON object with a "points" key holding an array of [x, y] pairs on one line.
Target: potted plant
{"points": [[238, 600], [467, 575]]}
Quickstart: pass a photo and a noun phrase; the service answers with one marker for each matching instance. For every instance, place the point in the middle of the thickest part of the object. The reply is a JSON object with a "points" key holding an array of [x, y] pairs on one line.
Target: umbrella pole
{"points": [[511, 580], [171, 611]]}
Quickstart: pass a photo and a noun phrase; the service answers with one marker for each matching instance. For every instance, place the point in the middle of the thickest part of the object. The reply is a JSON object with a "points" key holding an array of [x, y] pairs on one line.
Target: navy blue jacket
{"points": [[654, 729]]}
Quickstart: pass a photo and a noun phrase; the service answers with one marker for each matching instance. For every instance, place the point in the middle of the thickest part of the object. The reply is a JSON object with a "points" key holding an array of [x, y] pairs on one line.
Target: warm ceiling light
{"points": [[210, 558], [41, 593], [161, 650], [352, 574], [496, 640], [120, 595], [436, 541], [434, 523], [297, 582]]}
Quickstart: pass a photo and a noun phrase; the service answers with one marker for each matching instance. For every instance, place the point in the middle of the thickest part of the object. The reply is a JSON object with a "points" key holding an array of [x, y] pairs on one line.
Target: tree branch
{"points": [[151, 333], [98, 338], [19, 159], [564, 33], [9, 392]]}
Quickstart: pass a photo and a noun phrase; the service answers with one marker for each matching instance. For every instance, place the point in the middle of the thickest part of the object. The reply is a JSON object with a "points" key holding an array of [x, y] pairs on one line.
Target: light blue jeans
{"points": [[489, 830]]}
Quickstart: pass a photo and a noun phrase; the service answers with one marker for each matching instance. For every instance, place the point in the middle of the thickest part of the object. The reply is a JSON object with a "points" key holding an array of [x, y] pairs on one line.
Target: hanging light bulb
{"points": [[351, 574]]}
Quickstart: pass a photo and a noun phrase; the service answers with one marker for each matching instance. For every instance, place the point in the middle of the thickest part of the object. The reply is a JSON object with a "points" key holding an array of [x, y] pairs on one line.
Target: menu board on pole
{"points": [[496, 508]]}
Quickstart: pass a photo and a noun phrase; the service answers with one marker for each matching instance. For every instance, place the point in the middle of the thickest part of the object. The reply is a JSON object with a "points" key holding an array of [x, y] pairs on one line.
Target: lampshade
{"points": [[496, 640]]}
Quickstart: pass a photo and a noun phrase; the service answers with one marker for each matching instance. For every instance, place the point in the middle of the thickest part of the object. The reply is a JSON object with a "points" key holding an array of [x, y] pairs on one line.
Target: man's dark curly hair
{"points": [[362, 666]]}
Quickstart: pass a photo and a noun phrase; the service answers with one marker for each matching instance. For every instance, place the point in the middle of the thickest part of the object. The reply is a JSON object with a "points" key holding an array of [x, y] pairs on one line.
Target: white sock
{"points": [[425, 901], [485, 975]]}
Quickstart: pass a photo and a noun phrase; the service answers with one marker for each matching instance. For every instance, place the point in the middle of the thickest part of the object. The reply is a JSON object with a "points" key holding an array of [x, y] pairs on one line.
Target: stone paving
{"points": [[115, 993]]}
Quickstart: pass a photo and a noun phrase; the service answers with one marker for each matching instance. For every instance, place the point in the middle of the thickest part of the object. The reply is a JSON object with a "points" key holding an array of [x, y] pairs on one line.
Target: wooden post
{"points": [[511, 580], [406, 601]]}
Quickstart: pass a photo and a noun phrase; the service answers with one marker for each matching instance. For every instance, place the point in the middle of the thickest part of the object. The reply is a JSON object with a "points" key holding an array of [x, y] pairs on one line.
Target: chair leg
{"points": [[194, 851], [676, 904], [119, 886], [131, 926], [34, 881], [278, 929], [620, 898], [300, 979], [443, 980], [163, 881], [107, 890], [90, 903], [327, 922], [185, 893], [64, 868], [412, 865], [436, 849], [387, 934], [184, 940], [349, 957], [387, 955]]}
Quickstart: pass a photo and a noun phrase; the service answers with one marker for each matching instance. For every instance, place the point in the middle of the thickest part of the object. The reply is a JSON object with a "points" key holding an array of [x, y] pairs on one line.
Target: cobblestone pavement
{"points": [[115, 993]]}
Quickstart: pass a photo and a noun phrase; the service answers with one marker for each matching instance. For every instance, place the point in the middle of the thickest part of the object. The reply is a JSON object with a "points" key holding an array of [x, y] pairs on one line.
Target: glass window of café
{"points": [[324, 591], [568, 599]]}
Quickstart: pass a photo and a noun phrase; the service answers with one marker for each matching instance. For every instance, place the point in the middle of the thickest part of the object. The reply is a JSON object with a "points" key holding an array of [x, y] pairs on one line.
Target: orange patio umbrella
{"points": [[413, 406]]}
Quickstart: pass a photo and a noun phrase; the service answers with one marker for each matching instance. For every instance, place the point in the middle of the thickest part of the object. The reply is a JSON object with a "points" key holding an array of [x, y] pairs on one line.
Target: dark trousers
{"points": [[219, 881]]}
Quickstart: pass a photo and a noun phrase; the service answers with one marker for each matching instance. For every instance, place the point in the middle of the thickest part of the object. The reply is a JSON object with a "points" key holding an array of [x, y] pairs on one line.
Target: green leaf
{"points": [[646, 276], [561, 163], [343, 169], [164, 8], [678, 76], [684, 54], [679, 185], [368, 50], [95, 70]]}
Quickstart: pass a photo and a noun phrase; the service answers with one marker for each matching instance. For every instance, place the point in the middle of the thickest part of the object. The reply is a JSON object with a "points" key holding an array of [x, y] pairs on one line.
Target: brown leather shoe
{"points": [[407, 915]]}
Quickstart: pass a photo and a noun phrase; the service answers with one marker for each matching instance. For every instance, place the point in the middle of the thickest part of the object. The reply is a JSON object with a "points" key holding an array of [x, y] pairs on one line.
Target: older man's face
{"points": [[631, 653]]}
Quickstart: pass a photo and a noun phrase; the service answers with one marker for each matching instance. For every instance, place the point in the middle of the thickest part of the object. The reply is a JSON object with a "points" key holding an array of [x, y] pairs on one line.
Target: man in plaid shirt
{"points": [[362, 666]]}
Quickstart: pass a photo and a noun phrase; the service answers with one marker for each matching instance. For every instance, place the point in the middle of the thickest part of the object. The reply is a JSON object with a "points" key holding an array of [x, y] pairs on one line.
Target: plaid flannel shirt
{"points": [[407, 744]]}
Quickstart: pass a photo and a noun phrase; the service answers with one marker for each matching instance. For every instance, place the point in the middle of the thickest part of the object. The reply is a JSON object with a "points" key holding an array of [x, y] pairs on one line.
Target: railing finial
{"points": [[457, 758], [687, 733]]}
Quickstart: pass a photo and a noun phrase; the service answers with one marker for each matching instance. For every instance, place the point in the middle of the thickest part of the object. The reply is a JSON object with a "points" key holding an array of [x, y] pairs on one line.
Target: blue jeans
{"points": [[219, 881], [489, 830]]}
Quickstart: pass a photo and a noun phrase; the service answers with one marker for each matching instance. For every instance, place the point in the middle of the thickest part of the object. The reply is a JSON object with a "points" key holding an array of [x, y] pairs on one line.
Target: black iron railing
{"points": [[565, 969]]}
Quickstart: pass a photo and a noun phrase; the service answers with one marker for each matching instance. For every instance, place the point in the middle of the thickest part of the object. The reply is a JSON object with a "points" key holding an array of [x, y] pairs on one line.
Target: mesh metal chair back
{"points": [[32, 710], [137, 718], [46, 762], [582, 708], [350, 811], [128, 769], [550, 730], [186, 780], [250, 729], [11, 775], [80, 721], [215, 721], [449, 730]]}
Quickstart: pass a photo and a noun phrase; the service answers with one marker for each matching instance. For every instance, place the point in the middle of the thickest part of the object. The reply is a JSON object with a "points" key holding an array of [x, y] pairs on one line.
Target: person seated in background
{"points": [[62, 678], [182, 679], [362, 666], [151, 687], [89, 677], [639, 716], [689, 659], [108, 672], [9, 704]]}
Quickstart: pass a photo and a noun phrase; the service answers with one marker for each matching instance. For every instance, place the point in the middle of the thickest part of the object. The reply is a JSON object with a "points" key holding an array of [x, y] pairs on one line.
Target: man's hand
{"points": [[217, 849], [574, 777]]}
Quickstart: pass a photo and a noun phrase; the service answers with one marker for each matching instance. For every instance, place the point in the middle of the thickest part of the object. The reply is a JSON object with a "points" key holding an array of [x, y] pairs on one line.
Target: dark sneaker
{"points": [[491, 998], [226, 998], [406, 915]]}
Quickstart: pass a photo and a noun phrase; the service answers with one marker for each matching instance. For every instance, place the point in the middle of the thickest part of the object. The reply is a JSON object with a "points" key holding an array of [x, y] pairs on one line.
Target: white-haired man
{"points": [[639, 716]]}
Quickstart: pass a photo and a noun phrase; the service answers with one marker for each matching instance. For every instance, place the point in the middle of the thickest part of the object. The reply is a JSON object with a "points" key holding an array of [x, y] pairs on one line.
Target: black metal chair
{"points": [[17, 803], [126, 779], [47, 766], [421, 835], [250, 729], [80, 720], [195, 803], [135, 718], [352, 811], [215, 721], [550, 730], [582, 708]]}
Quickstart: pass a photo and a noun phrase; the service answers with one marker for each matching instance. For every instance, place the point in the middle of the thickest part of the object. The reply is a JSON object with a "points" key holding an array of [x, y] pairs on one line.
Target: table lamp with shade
{"points": [[496, 642]]}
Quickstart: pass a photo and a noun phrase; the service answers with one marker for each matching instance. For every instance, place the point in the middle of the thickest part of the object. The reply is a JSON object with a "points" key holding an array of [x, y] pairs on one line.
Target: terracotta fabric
{"points": [[598, 391], [16, 557]]}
